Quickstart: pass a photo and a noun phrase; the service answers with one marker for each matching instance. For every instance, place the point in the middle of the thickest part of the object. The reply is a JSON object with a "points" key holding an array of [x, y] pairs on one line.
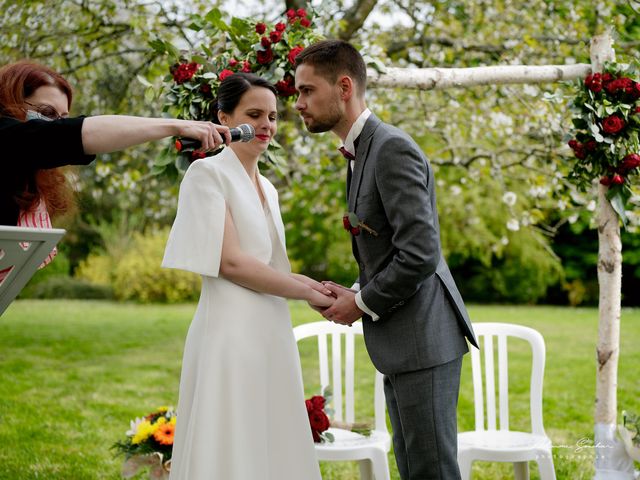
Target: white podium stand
{"points": [[23, 249]]}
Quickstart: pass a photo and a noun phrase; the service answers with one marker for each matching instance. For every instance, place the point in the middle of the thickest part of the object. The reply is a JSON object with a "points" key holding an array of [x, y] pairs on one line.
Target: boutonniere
{"points": [[353, 224]]}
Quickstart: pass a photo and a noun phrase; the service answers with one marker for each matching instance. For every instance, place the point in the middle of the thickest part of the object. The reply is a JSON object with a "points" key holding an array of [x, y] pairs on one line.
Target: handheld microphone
{"points": [[241, 133]]}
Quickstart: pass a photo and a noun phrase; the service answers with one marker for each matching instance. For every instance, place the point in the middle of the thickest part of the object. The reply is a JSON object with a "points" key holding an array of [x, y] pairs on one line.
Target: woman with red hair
{"points": [[37, 136]]}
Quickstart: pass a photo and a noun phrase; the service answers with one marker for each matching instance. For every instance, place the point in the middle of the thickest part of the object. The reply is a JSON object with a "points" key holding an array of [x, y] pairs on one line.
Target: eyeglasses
{"points": [[46, 111]]}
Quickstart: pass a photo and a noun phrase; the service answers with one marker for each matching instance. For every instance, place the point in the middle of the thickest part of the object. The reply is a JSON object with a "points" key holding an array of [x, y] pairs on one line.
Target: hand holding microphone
{"points": [[241, 133]]}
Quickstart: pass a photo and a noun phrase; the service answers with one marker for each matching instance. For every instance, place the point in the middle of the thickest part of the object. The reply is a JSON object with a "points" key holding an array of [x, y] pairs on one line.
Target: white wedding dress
{"points": [[241, 412]]}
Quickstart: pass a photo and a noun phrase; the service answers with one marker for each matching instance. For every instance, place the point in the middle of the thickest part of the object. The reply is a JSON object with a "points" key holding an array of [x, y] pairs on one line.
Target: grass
{"points": [[75, 372]]}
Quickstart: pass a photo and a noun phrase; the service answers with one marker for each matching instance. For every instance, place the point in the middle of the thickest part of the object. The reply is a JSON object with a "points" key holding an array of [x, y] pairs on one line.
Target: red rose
{"points": [[265, 42], [635, 92], [305, 22], [636, 111], [607, 77], [318, 420], [316, 436], [294, 53], [301, 12], [246, 66], [317, 401], [630, 161], [184, 72], [275, 36], [260, 28], [606, 181], [291, 13], [280, 27], [286, 87], [346, 223], [591, 145], [233, 62], [265, 56], [580, 152], [309, 405], [224, 74], [613, 124], [617, 179], [205, 88], [573, 143]]}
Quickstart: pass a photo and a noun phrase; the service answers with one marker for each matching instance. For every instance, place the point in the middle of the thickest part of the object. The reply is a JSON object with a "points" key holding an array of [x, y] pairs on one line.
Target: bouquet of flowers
{"points": [[267, 49], [319, 412], [605, 139], [149, 442]]}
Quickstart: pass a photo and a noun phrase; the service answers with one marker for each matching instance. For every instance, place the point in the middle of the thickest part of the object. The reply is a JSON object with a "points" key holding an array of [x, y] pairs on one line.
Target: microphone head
{"points": [[248, 133]]}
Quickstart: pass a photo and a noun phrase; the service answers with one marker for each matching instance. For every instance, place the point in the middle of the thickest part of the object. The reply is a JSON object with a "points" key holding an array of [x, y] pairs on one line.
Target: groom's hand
{"points": [[344, 310]]}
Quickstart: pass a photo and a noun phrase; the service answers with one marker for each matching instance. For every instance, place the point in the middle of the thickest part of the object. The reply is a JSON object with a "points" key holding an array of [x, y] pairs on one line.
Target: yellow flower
{"points": [[173, 420], [162, 409], [145, 430], [160, 421]]}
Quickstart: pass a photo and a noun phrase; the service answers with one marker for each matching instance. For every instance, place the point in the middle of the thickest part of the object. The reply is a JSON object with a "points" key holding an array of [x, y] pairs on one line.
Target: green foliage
{"points": [[92, 366], [59, 267], [62, 286], [139, 276]]}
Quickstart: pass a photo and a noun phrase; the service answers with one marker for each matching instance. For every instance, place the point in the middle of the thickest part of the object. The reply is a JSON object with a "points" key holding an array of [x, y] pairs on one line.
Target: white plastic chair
{"points": [[22, 250], [370, 451], [488, 443]]}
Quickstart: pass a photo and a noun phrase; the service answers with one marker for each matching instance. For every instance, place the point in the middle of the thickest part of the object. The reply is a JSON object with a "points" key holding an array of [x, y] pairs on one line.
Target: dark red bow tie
{"points": [[346, 154]]}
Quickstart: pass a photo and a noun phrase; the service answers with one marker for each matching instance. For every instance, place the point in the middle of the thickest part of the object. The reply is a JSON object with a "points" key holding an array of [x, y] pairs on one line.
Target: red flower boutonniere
{"points": [[353, 224]]}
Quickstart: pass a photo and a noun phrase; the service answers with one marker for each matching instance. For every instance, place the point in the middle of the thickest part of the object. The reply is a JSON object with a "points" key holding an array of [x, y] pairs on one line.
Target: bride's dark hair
{"points": [[233, 87]]}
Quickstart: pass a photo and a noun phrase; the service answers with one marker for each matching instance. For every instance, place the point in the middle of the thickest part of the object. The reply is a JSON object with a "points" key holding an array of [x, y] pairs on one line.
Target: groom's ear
{"points": [[346, 87]]}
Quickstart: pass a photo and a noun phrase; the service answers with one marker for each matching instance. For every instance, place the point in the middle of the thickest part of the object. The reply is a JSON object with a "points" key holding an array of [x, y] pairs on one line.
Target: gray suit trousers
{"points": [[422, 407]]}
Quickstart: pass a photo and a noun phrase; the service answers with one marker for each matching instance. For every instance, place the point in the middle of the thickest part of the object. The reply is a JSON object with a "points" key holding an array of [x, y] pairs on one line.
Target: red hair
{"points": [[17, 82]]}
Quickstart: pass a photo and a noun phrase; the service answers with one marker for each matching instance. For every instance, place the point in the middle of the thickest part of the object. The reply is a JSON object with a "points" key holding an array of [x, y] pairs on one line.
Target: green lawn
{"points": [[75, 372]]}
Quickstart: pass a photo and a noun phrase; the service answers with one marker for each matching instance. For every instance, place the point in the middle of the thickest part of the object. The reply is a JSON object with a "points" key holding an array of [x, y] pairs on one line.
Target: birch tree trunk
{"points": [[611, 459]]}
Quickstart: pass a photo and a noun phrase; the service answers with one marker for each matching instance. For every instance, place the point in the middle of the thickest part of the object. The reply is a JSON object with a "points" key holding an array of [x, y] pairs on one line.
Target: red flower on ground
{"points": [[294, 53], [613, 124]]}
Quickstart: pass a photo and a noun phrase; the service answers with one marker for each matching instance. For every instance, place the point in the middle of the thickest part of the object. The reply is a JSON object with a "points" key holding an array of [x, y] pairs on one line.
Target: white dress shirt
{"points": [[356, 130]]}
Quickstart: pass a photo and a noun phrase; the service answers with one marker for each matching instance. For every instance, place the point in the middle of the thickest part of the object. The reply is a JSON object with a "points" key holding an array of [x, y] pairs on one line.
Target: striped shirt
{"points": [[36, 218]]}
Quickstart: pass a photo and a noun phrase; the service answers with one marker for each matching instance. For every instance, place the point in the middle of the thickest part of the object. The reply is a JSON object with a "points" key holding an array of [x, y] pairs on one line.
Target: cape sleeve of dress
{"points": [[195, 240]]}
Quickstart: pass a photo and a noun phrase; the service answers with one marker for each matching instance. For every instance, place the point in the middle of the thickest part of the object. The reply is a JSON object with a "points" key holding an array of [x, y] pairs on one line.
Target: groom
{"points": [[414, 319]]}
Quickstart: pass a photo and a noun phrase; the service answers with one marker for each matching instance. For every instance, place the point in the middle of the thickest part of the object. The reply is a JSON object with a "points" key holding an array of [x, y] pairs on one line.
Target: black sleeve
{"points": [[42, 144]]}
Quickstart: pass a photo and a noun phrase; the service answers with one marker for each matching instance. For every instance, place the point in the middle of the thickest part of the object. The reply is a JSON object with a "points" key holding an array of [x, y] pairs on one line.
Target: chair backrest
{"points": [[22, 250], [488, 335], [343, 392]]}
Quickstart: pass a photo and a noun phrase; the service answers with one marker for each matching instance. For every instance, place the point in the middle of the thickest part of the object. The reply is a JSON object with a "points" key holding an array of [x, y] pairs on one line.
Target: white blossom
{"points": [[456, 190], [509, 198], [513, 225]]}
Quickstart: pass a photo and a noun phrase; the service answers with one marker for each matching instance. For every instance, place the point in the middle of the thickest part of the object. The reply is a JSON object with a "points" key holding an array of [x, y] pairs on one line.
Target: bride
{"points": [[241, 411]]}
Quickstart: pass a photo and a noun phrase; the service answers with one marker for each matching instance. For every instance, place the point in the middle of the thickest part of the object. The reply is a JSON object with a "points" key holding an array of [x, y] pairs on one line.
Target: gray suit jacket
{"points": [[403, 276]]}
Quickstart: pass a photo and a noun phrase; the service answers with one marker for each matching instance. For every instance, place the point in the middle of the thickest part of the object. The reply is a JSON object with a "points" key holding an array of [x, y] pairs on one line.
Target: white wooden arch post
{"points": [[611, 460]]}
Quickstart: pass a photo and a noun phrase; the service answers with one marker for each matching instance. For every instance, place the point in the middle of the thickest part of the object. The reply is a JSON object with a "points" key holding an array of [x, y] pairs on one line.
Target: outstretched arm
{"points": [[110, 133], [248, 271]]}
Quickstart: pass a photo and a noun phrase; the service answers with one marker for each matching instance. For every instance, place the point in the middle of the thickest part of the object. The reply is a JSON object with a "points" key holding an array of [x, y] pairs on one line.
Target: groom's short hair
{"points": [[331, 58]]}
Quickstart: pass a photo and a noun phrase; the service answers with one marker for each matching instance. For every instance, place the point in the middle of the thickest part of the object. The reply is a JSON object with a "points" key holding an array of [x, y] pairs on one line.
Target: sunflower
{"points": [[164, 434]]}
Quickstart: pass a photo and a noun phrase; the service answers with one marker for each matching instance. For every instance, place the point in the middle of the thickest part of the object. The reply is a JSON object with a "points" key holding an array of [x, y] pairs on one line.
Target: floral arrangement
{"points": [[149, 441], [605, 139], [318, 419], [267, 49], [319, 412]]}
